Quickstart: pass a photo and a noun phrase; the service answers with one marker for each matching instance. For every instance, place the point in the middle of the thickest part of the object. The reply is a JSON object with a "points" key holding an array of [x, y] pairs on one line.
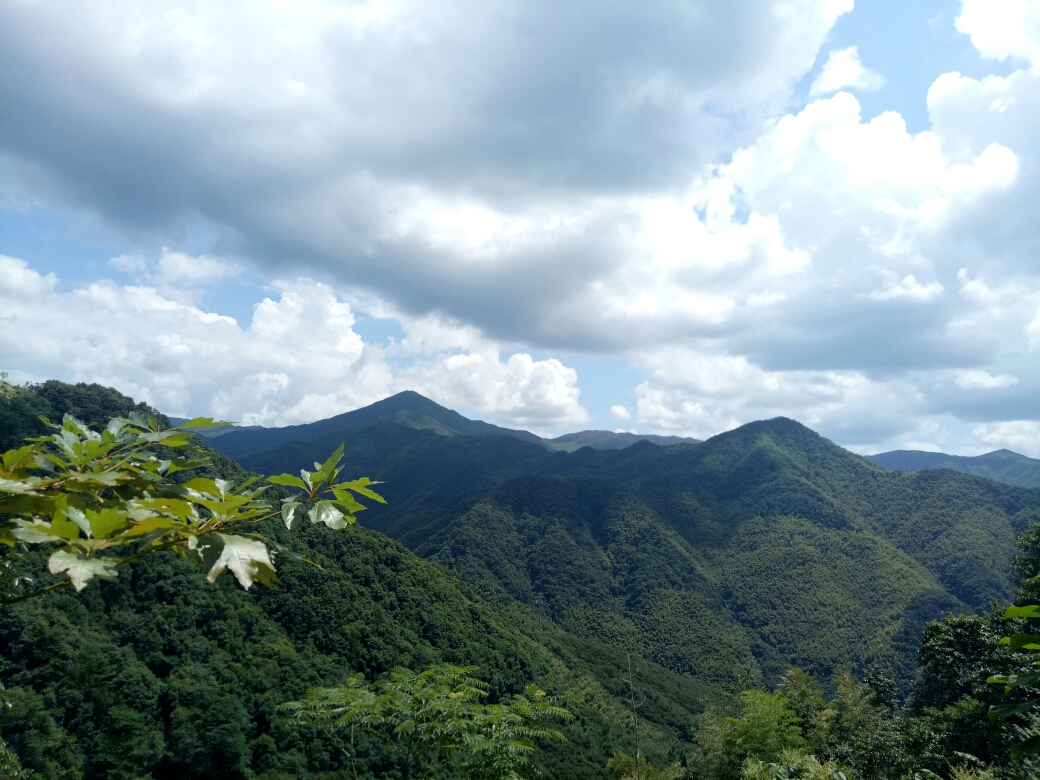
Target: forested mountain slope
{"points": [[1001, 465], [760, 548], [161, 674], [247, 442]]}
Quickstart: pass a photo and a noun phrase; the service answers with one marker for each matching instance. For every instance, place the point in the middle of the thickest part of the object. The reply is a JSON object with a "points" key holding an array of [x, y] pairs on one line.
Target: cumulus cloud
{"points": [[844, 69], [491, 174], [1000, 29], [619, 412], [1021, 436], [521, 391], [299, 359]]}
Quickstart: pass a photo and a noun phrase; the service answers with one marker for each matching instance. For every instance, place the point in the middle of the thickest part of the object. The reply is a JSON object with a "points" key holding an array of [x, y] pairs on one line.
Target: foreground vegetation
{"points": [[158, 673]]}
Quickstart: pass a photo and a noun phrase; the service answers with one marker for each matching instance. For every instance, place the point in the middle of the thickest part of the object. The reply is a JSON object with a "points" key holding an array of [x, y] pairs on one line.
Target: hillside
{"points": [[160, 674], [1002, 465], [733, 558], [242, 443]]}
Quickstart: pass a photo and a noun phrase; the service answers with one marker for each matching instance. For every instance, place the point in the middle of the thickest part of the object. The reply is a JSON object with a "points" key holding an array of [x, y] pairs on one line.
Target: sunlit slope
{"points": [[761, 547]]}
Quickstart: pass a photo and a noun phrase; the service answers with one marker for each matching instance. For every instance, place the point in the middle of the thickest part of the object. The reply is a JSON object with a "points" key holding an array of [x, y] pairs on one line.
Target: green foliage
{"points": [[98, 501], [767, 726], [854, 731], [622, 766], [730, 560], [436, 717], [794, 765], [1024, 682]]}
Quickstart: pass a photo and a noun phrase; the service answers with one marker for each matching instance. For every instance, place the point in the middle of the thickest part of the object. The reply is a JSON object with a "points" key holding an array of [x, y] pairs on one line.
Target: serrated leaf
{"points": [[203, 485], [107, 521], [248, 559], [79, 568]]}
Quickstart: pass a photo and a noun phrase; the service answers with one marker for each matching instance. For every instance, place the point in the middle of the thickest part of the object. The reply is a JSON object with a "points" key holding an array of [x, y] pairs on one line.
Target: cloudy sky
{"points": [[670, 217]]}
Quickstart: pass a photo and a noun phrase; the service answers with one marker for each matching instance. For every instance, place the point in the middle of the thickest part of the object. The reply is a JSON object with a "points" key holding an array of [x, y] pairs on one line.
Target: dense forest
{"points": [[765, 603]]}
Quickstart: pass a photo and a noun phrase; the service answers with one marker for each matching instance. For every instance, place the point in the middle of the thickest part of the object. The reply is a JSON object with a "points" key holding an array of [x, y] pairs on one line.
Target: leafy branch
{"points": [[100, 501]]}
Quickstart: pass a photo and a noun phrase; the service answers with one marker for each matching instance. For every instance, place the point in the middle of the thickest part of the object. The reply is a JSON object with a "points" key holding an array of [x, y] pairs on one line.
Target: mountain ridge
{"points": [[1001, 465]]}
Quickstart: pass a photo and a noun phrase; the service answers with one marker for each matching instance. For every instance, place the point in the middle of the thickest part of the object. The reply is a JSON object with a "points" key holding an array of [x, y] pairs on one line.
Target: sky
{"points": [[666, 217]]}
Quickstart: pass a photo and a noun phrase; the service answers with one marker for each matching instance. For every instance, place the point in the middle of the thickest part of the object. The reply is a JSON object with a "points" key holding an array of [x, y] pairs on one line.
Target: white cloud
{"points": [[983, 380], [521, 391], [1022, 436], [500, 193], [298, 360], [844, 69], [1000, 29], [908, 288], [619, 412]]}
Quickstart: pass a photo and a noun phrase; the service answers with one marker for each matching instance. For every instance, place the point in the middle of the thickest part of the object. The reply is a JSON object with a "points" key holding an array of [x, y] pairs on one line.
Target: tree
{"points": [[1025, 683], [766, 727], [435, 718], [99, 501]]}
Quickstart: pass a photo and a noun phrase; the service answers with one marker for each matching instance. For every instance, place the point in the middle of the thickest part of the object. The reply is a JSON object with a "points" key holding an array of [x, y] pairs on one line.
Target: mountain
{"points": [[161, 674], [409, 407], [718, 565], [610, 440], [1001, 465], [733, 559]]}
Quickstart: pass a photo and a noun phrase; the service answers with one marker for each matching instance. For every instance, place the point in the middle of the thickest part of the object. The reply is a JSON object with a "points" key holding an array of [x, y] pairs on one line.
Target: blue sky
{"points": [[664, 217]]}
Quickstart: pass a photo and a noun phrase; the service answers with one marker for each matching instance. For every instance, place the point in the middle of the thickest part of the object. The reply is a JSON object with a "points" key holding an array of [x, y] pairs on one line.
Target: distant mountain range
{"points": [[734, 557], [717, 564], [610, 440], [418, 411], [1002, 465]]}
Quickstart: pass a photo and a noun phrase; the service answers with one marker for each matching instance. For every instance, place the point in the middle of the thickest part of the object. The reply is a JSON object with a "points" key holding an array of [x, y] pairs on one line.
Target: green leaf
{"points": [[79, 518], [154, 523], [345, 499], [79, 568], [16, 486], [1032, 611], [1001, 711], [330, 463], [1027, 748], [248, 559], [360, 486], [105, 522], [325, 512], [288, 480], [291, 512], [203, 485], [33, 533], [1020, 641]]}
